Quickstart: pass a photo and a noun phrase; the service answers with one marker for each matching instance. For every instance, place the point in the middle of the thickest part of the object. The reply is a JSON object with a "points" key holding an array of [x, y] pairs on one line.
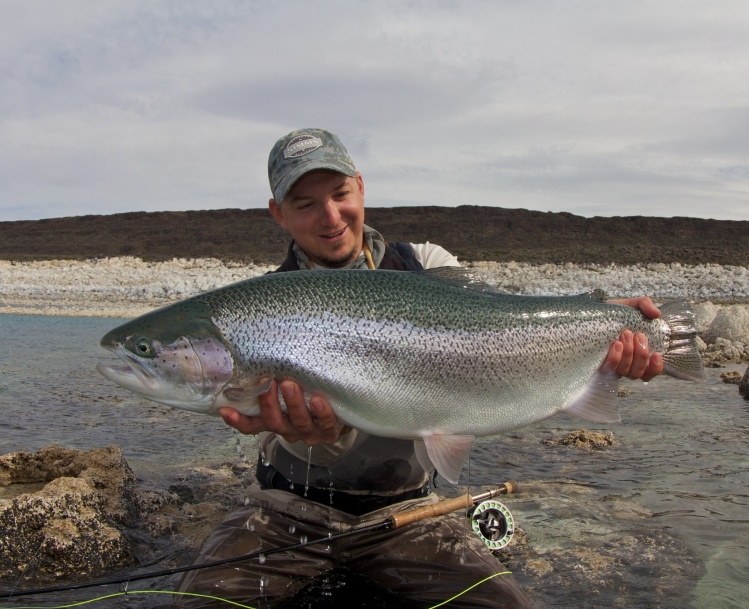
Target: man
{"points": [[317, 476]]}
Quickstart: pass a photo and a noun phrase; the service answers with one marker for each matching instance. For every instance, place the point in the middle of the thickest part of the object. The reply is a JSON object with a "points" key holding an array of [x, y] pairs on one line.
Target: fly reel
{"points": [[493, 523]]}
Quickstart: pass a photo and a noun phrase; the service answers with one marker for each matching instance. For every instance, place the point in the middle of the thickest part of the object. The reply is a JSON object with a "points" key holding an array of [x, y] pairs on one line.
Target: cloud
{"points": [[586, 107]]}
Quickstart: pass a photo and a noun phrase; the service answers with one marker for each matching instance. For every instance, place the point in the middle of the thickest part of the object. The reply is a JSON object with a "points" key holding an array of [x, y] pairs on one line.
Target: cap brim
{"points": [[292, 177]]}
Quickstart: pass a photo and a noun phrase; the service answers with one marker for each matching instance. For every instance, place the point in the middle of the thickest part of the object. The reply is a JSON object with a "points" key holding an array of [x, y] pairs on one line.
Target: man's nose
{"points": [[331, 213]]}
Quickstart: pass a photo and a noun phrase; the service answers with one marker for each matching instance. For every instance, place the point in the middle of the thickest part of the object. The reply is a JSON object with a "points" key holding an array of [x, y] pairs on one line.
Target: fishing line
{"points": [[130, 592], [459, 594], [392, 522], [226, 600]]}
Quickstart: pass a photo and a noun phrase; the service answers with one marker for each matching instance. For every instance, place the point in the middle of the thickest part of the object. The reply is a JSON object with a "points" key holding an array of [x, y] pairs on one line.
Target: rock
{"points": [[731, 323], [731, 377], [705, 313], [71, 525], [582, 438], [723, 350], [79, 513], [104, 469], [744, 385]]}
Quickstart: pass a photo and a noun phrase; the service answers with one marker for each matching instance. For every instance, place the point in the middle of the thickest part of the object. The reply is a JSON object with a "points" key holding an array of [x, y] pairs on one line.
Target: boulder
{"points": [[73, 524], [731, 323], [704, 314]]}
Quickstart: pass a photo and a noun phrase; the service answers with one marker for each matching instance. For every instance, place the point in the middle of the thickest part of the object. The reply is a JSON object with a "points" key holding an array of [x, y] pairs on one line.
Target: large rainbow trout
{"points": [[436, 356]]}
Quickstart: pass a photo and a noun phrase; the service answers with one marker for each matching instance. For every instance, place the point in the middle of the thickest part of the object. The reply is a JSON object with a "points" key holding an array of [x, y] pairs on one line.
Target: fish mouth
{"points": [[133, 376]]}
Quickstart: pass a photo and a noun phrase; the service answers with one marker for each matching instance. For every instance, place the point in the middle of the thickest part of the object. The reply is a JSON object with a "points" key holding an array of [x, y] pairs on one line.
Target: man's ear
{"points": [[277, 212]]}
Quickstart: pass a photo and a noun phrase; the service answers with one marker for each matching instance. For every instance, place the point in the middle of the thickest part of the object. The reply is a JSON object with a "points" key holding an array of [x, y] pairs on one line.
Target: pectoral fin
{"points": [[444, 453], [242, 397]]}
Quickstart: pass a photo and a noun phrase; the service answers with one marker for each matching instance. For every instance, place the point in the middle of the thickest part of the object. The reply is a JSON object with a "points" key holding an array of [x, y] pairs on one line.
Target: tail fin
{"points": [[682, 358]]}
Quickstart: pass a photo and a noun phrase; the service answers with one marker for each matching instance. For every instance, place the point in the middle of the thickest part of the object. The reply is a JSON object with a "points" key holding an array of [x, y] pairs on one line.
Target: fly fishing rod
{"points": [[490, 522]]}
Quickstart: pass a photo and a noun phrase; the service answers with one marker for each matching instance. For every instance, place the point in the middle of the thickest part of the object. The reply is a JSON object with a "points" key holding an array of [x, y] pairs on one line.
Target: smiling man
{"points": [[316, 475], [323, 209]]}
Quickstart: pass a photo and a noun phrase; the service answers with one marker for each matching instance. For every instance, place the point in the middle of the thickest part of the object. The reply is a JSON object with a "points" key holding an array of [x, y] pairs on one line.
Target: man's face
{"points": [[324, 212]]}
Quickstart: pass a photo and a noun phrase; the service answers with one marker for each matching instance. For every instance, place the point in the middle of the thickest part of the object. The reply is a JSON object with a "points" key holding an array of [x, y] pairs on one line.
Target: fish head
{"points": [[175, 355]]}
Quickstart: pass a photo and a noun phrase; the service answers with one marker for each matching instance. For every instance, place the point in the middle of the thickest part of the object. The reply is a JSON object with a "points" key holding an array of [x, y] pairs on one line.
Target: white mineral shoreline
{"points": [[127, 286]]}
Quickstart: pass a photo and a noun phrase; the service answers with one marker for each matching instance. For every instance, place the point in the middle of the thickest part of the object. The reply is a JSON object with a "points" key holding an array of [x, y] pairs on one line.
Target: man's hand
{"points": [[630, 356], [317, 424]]}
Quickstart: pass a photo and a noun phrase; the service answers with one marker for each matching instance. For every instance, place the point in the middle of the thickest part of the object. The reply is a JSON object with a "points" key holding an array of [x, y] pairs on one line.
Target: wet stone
{"points": [[73, 524], [69, 515], [731, 377], [585, 439]]}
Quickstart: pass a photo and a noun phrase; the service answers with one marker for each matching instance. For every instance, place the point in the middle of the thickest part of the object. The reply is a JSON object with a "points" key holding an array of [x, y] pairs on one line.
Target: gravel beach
{"points": [[128, 286]]}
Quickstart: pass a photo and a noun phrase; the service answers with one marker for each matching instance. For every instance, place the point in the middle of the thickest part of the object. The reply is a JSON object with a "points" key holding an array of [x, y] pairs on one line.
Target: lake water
{"points": [[661, 519]]}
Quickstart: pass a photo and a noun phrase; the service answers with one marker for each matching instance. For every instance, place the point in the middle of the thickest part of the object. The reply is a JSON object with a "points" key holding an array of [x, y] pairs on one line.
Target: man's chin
{"points": [[333, 261]]}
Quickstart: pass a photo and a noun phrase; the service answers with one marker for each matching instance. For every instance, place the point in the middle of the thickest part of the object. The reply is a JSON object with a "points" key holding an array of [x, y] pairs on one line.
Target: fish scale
{"points": [[435, 356]]}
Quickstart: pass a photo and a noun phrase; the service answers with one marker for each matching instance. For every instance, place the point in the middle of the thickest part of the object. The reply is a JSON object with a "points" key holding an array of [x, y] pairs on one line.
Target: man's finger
{"points": [[299, 415], [640, 356], [327, 421], [655, 367], [625, 362], [243, 424]]}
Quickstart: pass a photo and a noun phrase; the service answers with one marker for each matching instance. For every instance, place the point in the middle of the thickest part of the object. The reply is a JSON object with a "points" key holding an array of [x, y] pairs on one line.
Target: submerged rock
{"points": [[731, 377], [582, 438]]}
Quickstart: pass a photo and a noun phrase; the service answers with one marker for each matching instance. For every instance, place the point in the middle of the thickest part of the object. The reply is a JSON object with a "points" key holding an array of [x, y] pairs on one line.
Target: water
{"points": [[660, 519], [51, 393]]}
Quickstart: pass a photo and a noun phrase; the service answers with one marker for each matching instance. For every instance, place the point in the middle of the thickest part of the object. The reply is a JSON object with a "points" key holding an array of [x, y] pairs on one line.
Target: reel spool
{"points": [[493, 523]]}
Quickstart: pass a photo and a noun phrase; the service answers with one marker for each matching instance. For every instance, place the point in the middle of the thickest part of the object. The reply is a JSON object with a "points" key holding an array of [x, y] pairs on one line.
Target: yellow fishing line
{"points": [[469, 588], [116, 594], [224, 600]]}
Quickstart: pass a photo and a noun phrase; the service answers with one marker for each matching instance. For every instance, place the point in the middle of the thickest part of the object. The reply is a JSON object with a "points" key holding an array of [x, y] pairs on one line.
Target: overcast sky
{"points": [[592, 107]]}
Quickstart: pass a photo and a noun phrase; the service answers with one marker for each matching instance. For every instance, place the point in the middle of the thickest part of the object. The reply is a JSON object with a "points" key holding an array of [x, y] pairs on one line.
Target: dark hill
{"points": [[471, 232]]}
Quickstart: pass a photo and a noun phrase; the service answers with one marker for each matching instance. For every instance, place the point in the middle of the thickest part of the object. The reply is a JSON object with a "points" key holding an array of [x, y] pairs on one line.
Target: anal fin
{"points": [[597, 402]]}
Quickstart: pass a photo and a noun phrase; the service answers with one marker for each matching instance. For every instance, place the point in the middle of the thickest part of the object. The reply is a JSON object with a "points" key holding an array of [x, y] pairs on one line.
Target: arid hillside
{"points": [[471, 232]]}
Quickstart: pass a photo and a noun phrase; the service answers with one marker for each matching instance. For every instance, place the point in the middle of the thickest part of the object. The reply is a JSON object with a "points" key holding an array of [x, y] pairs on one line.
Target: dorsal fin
{"points": [[597, 295], [461, 277]]}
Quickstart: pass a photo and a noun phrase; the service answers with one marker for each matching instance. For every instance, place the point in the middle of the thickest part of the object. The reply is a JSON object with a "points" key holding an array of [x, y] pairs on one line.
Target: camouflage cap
{"points": [[303, 151]]}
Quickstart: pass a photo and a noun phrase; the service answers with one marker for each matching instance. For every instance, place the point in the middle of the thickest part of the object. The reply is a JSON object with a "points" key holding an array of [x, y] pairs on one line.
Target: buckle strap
{"points": [[356, 505]]}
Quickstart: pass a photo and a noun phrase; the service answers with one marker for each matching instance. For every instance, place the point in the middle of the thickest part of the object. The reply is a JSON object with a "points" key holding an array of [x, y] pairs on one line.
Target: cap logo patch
{"points": [[301, 145]]}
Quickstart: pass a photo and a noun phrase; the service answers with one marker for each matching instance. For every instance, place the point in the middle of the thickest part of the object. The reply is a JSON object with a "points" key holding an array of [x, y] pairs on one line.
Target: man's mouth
{"points": [[336, 234]]}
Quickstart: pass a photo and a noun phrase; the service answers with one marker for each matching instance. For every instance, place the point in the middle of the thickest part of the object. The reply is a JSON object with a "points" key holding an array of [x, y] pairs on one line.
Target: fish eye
{"points": [[143, 347]]}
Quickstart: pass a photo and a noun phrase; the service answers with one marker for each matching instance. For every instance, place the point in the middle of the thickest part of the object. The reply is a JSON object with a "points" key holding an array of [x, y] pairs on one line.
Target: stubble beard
{"points": [[340, 261]]}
